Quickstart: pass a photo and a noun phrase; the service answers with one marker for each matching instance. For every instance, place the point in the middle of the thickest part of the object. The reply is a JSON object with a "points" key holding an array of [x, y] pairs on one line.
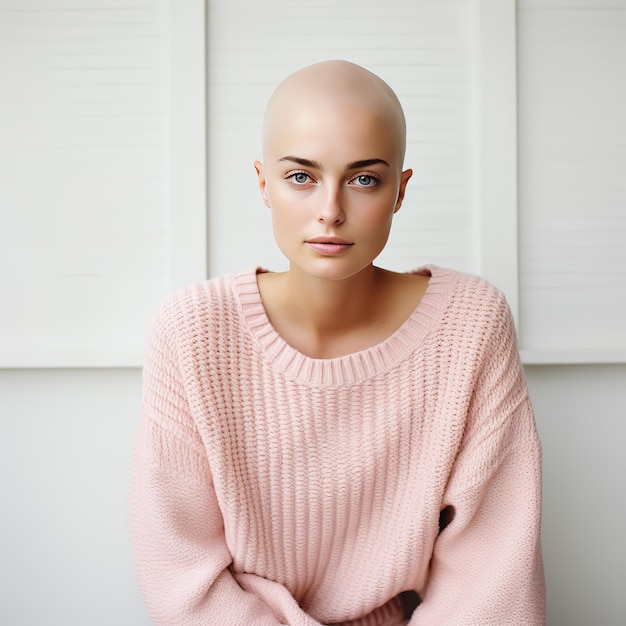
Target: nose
{"points": [[331, 211]]}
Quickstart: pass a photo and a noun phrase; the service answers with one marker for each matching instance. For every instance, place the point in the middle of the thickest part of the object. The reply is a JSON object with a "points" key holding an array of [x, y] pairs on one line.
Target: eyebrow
{"points": [[366, 163], [303, 162], [355, 165]]}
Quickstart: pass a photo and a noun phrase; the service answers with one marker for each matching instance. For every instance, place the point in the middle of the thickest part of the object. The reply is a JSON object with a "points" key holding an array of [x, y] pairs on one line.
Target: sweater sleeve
{"points": [[177, 531], [486, 566]]}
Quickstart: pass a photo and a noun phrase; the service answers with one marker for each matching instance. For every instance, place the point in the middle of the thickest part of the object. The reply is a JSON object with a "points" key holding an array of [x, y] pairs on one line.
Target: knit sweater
{"points": [[270, 488]]}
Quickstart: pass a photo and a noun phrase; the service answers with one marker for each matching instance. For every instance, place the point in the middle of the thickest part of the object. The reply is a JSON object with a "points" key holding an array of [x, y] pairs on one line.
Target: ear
{"points": [[258, 166], [404, 179]]}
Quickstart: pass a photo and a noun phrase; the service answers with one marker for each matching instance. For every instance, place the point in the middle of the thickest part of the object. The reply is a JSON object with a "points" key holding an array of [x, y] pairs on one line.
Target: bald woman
{"points": [[336, 443]]}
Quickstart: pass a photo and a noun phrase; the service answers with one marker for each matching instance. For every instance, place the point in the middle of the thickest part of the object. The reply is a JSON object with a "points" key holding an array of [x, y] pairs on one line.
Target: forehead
{"points": [[325, 128]]}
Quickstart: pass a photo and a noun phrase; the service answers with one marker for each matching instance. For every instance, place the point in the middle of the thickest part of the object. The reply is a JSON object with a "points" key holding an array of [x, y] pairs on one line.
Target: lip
{"points": [[328, 246], [329, 239]]}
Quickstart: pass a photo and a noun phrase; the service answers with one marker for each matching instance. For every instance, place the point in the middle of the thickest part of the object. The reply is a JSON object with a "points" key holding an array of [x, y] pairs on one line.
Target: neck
{"points": [[328, 318], [332, 306]]}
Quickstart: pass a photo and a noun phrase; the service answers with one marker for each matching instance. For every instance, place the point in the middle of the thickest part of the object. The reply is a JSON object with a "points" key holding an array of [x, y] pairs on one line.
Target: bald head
{"points": [[335, 86]]}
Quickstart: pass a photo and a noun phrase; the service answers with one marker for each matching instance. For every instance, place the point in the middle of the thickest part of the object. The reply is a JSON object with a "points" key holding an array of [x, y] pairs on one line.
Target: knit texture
{"points": [[273, 488]]}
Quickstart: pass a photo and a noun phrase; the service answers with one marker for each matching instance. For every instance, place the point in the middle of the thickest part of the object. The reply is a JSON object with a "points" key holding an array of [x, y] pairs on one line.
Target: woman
{"points": [[337, 443]]}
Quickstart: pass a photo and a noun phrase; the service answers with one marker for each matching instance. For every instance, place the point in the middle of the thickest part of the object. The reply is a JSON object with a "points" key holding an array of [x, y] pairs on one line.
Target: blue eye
{"points": [[299, 178], [365, 180]]}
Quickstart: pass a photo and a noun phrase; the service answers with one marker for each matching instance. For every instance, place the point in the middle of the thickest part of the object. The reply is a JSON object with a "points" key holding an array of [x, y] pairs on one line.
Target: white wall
{"points": [[65, 445], [581, 417]]}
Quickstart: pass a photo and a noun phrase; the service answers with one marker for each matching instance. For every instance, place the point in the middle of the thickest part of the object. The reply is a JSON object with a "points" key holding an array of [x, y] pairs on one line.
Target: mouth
{"points": [[328, 246]]}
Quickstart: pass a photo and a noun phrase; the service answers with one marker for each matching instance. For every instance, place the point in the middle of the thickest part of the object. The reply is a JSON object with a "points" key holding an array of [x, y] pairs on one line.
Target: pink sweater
{"points": [[272, 488]]}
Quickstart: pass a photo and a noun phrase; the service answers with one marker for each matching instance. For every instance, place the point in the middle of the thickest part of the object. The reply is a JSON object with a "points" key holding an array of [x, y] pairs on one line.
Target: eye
{"points": [[298, 178], [365, 180]]}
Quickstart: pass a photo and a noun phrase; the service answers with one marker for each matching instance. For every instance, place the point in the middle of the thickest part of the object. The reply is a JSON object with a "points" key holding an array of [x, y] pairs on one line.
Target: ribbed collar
{"points": [[352, 367]]}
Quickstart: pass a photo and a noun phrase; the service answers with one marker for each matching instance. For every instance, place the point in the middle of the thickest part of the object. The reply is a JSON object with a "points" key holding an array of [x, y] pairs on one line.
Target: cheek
{"points": [[286, 222], [376, 218], [290, 207]]}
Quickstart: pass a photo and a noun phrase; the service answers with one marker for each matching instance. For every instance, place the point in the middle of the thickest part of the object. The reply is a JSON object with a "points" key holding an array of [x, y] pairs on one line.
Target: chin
{"points": [[330, 270]]}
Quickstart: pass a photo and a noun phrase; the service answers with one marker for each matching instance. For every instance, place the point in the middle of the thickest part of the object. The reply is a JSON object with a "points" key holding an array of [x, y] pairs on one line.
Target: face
{"points": [[333, 181]]}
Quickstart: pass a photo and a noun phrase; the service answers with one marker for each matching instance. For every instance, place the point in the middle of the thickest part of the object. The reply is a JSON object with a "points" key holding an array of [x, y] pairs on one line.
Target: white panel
{"points": [[572, 138], [422, 48], [84, 178], [187, 140], [495, 103]]}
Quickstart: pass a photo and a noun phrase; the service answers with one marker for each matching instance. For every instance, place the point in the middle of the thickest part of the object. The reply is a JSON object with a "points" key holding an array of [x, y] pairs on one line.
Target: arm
{"points": [[181, 557], [486, 566]]}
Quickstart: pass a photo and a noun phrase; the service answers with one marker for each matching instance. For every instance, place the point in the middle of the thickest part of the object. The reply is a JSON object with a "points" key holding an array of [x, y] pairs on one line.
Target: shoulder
{"points": [[467, 294], [473, 311], [461, 283], [197, 307]]}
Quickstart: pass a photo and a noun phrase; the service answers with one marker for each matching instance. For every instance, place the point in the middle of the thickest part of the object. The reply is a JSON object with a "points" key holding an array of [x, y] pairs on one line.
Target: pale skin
{"points": [[333, 150]]}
